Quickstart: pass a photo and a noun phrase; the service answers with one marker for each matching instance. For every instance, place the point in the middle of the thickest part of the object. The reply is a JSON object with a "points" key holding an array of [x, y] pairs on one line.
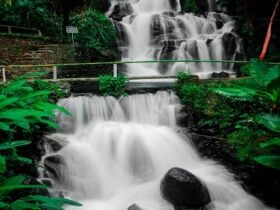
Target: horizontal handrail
{"points": [[115, 64], [9, 28], [128, 62]]}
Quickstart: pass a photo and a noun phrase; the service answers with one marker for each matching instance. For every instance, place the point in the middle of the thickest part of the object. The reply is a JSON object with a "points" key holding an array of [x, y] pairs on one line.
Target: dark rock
{"points": [[215, 75], [56, 141], [223, 74], [182, 188], [121, 10], [134, 207], [173, 4], [121, 34], [53, 165], [47, 182], [229, 43], [239, 56]]}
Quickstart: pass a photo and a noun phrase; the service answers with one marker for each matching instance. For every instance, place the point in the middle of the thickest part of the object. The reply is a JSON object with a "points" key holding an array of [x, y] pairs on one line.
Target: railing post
{"points": [[115, 70], [4, 74], [54, 72], [9, 29]]}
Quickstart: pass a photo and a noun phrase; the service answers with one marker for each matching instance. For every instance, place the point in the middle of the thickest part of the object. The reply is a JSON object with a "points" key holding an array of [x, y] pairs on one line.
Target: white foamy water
{"points": [[119, 150], [157, 30]]}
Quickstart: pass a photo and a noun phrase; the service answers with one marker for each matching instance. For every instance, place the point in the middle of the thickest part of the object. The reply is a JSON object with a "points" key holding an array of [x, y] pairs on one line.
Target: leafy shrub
{"points": [[23, 110], [112, 86], [96, 35], [263, 88], [31, 14]]}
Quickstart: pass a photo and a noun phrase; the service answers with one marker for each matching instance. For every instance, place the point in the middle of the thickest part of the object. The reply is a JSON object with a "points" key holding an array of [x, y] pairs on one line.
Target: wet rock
{"points": [[56, 142], [53, 165], [173, 4], [220, 75], [182, 188], [121, 10], [215, 75], [134, 207], [47, 182], [230, 45], [121, 34], [223, 74], [239, 56]]}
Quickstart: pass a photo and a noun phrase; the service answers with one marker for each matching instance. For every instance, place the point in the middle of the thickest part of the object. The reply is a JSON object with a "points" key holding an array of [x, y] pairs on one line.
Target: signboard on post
{"points": [[72, 30]]}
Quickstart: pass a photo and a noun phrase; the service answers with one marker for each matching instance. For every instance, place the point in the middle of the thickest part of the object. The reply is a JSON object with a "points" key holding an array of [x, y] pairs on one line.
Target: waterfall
{"points": [[158, 30], [117, 151]]}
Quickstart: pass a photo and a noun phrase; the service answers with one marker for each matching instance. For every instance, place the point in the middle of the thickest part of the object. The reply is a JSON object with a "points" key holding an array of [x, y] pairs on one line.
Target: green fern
{"points": [[270, 121], [272, 161], [238, 93]]}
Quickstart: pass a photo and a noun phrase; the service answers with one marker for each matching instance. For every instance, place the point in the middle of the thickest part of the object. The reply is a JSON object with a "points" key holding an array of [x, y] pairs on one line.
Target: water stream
{"points": [[117, 150], [153, 30]]}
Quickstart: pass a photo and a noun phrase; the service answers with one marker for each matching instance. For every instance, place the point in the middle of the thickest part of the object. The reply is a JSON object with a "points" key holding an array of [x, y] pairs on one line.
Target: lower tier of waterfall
{"points": [[117, 151]]}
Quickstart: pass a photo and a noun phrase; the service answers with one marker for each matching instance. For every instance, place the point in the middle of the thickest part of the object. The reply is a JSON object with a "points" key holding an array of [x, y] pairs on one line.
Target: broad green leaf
{"points": [[23, 159], [4, 205], [35, 94], [13, 144], [16, 85], [238, 93], [272, 161], [4, 126], [22, 205], [271, 142], [48, 107], [7, 102], [15, 180], [6, 189], [272, 122], [56, 200], [2, 164]]}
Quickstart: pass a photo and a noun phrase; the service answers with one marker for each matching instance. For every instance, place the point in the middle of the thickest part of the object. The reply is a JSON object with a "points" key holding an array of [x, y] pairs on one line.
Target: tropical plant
{"points": [[23, 110], [96, 36], [112, 86], [263, 88]]}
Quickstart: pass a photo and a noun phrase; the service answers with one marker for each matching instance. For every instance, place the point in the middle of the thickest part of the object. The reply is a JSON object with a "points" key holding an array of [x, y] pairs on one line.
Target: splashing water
{"points": [[119, 150], [157, 30]]}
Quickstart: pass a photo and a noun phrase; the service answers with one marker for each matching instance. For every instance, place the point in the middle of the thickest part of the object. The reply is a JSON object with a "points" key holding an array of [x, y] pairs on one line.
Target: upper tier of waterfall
{"points": [[157, 30]]}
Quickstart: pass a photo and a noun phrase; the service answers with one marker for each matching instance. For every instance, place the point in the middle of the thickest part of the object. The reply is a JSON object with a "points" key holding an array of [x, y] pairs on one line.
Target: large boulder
{"points": [[184, 190]]}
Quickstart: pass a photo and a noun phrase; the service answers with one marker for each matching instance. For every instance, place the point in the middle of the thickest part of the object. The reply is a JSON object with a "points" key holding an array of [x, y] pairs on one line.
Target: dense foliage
{"points": [[245, 111], [113, 86], [30, 14], [97, 35], [25, 109]]}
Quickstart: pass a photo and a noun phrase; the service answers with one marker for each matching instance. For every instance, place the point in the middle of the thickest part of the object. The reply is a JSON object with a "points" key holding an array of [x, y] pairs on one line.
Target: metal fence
{"points": [[114, 64]]}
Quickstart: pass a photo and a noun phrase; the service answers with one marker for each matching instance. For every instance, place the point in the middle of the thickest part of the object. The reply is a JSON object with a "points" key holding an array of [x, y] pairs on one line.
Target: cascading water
{"points": [[118, 150], [157, 30]]}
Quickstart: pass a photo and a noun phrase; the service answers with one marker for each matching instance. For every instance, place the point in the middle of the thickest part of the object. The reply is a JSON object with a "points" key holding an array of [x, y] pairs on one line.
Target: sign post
{"points": [[72, 30]]}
